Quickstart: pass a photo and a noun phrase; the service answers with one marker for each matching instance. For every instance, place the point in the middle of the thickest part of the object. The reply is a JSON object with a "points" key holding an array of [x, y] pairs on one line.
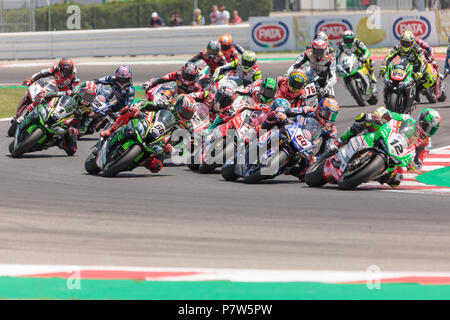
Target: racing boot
{"points": [[155, 164]]}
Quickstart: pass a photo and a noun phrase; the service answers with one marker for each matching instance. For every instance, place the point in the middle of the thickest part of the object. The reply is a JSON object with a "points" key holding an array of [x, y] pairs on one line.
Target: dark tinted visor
{"points": [[406, 43], [189, 77], [318, 52], [295, 84], [225, 47]]}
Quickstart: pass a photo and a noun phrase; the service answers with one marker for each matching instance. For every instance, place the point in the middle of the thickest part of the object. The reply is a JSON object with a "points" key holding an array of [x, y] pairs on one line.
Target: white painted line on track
{"points": [[236, 275]]}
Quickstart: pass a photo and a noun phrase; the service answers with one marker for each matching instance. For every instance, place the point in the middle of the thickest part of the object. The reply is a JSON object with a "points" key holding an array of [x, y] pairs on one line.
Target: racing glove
{"points": [[106, 133], [418, 75], [73, 131], [27, 82], [382, 71]]}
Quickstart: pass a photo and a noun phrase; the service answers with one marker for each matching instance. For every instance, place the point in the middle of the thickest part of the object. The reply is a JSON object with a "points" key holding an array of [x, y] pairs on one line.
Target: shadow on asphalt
{"points": [[129, 175], [39, 156]]}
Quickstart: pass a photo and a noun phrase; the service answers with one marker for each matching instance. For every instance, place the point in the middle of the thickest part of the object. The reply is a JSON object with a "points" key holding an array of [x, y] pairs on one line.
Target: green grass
{"points": [[10, 98]]}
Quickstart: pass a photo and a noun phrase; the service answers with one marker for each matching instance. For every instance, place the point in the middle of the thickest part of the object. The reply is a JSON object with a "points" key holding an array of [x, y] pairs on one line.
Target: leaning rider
{"points": [[427, 124], [182, 108], [357, 47]]}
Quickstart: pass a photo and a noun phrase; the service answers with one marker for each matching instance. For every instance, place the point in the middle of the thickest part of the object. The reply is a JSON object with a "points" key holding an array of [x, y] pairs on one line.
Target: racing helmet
{"points": [[213, 48], [189, 72], [319, 49], [86, 92], [185, 108], [65, 66], [280, 105], [224, 98], [327, 110], [348, 38], [297, 80], [226, 42], [321, 36], [248, 60], [407, 41], [269, 88], [123, 76], [430, 121]]}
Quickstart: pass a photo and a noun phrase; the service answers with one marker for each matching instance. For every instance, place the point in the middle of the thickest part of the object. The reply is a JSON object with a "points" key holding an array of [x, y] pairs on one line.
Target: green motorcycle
{"points": [[44, 127], [400, 87], [132, 145], [357, 79], [366, 157]]}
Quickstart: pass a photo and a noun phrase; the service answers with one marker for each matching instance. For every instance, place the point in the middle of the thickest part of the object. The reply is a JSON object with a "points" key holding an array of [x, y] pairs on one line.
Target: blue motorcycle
{"points": [[277, 151]]}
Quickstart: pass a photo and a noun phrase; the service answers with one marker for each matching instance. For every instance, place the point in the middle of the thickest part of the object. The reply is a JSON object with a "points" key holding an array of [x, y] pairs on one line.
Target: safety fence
{"points": [[115, 42]]}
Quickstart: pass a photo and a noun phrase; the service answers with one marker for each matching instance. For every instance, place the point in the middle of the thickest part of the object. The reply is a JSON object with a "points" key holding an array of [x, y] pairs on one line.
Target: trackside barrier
{"points": [[115, 42]]}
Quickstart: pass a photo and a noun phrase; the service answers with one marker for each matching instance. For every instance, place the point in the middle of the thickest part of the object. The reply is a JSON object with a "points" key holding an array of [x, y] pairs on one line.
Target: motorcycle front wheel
{"points": [[373, 168], [28, 143], [123, 163]]}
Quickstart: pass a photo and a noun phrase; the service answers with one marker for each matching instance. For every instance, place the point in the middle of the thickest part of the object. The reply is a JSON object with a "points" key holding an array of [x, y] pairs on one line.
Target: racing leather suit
{"points": [[325, 69], [360, 50], [212, 61], [124, 96], [372, 122], [154, 164], [245, 78], [183, 85], [62, 83], [328, 134], [233, 53], [295, 98], [429, 53], [254, 91], [68, 142]]}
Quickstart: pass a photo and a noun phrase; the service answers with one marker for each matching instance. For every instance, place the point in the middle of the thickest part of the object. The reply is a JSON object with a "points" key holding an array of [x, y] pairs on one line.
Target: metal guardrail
{"points": [[115, 42]]}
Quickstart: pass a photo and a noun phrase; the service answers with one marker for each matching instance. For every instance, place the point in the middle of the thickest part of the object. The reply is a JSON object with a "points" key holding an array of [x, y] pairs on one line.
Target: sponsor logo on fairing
{"points": [[419, 25], [270, 34], [334, 28]]}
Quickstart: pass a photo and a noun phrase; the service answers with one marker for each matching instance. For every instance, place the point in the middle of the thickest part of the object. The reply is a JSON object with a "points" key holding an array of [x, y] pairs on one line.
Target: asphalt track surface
{"points": [[52, 212]]}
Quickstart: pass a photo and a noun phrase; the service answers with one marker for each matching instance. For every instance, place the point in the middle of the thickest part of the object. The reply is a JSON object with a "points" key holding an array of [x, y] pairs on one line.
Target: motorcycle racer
{"points": [[246, 69], [182, 108], [65, 74], [84, 95], [322, 36], [185, 79], [323, 63], [230, 49], [122, 84], [410, 50], [325, 113], [291, 88], [262, 91], [357, 47], [212, 56], [429, 53], [427, 124], [447, 58]]}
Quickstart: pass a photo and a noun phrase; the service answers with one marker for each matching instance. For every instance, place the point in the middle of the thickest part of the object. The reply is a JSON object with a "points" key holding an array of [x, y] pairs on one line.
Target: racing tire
{"points": [[90, 165], [257, 176], [392, 106], [372, 169], [228, 172], [28, 143], [123, 163], [431, 97], [314, 174], [373, 100], [12, 128], [207, 168], [442, 97], [355, 92]]}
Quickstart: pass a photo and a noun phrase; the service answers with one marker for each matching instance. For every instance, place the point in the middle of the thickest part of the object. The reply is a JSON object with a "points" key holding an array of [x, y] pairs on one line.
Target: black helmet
{"points": [[224, 97]]}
